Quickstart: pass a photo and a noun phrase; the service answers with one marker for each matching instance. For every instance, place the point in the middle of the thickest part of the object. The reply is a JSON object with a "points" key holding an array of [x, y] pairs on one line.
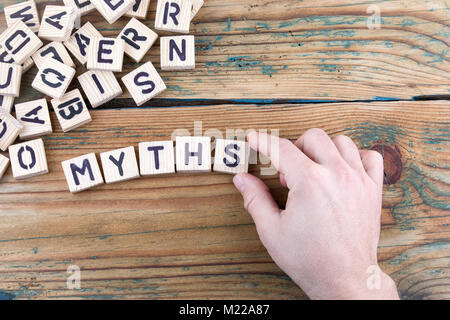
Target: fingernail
{"points": [[239, 183]]}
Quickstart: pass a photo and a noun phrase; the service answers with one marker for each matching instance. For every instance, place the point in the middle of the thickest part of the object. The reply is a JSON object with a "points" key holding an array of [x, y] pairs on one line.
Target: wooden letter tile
{"points": [[57, 23], [6, 103], [9, 129], [138, 39], [71, 110], [79, 41], [24, 11], [82, 172], [35, 118], [54, 50], [53, 78], [231, 156], [196, 5], [178, 53], [19, 42], [139, 9], [82, 7], [173, 15], [105, 54], [144, 83], [28, 159], [4, 163], [119, 165], [193, 154], [6, 58], [10, 76], [156, 157], [99, 86], [112, 10]]}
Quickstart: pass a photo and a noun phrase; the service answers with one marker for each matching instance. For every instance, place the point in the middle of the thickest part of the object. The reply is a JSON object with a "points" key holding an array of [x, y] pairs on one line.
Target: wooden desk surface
{"points": [[288, 65]]}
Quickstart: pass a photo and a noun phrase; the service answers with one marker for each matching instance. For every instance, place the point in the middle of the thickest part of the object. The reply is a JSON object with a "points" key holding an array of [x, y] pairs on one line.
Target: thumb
{"points": [[259, 202]]}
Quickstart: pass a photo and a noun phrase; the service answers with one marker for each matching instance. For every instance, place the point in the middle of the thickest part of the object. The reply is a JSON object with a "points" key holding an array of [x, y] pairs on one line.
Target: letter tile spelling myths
{"points": [[82, 173]]}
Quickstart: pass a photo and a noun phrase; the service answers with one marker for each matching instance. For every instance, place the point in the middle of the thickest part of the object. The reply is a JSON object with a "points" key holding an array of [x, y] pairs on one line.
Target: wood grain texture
{"points": [[315, 50], [188, 236]]}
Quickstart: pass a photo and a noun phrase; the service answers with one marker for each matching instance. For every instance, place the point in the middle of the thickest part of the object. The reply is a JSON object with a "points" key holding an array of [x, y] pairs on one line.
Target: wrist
{"points": [[376, 286]]}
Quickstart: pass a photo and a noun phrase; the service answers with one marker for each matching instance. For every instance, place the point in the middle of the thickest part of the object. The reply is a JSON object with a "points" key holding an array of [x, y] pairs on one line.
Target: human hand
{"points": [[327, 237]]}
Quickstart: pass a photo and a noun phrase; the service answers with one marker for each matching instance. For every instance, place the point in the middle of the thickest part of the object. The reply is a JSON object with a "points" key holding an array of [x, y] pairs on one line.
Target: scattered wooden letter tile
{"points": [[79, 41], [82, 172], [9, 129], [82, 7], [139, 9], [71, 110], [231, 156], [144, 83], [193, 154], [119, 165], [19, 42], [10, 76], [99, 86], [112, 10], [53, 78], [105, 54], [196, 5], [173, 15], [6, 58], [6, 103], [157, 157], [28, 159], [24, 11], [138, 39], [35, 118], [57, 23], [178, 53], [54, 50], [4, 163]]}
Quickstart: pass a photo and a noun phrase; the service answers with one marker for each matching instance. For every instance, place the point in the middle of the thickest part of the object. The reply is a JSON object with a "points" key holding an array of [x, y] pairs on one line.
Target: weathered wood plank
{"points": [[316, 50], [182, 236]]}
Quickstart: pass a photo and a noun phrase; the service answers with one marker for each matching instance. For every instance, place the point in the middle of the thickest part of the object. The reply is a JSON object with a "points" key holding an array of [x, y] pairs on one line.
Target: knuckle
{"points": [[315, 132], [249, 201], [343, 140], [375, 156]]}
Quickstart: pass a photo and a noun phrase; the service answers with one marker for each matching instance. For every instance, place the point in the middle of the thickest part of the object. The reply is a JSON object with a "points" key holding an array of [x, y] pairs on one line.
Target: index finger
{"points": [[285, 156]]}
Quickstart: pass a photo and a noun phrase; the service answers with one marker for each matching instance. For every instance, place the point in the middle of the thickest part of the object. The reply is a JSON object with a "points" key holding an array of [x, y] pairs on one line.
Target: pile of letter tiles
{"points": [[22, 46]]}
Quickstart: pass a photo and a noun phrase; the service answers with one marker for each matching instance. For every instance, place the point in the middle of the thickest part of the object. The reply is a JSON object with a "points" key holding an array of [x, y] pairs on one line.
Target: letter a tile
{"points": [[35, 118]]}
